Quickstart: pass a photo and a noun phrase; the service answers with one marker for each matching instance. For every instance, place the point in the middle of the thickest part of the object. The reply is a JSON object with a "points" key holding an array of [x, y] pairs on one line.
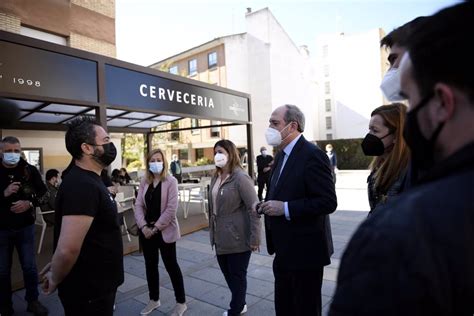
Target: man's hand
{"points": [[266, 169], [113, 190], [147, 232], [47, 283], [12, 188], [20, 206], [273, 208], [255, 248]]}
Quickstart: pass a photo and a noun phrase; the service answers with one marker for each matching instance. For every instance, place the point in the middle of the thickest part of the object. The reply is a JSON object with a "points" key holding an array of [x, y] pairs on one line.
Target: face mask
{"points": [[264, 152], [11, 158], [109, 155], [220, 160], [372, 145], [390, 85], [273, 136], [156, 167], [422, 149]]}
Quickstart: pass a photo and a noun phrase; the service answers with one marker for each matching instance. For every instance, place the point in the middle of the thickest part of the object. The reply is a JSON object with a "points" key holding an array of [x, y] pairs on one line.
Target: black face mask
{"points": [[109, 155], [372, 145], [422, 149]]}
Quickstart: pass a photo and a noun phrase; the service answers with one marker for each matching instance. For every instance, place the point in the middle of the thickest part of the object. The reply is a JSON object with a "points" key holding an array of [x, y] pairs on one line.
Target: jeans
{"points": [[234, 267], [24, 241], [168, 254]]}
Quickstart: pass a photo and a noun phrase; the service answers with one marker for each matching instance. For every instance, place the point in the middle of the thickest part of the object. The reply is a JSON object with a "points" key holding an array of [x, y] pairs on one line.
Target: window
{"points": [[329, 136], [183, 154], [212, 59], [215, 131], [325, 51], [175, 135], [199, 153], [326, 70], [328, 122], [327, 88], [174, 70], [328, 105], [192, 67], [195, 125]]}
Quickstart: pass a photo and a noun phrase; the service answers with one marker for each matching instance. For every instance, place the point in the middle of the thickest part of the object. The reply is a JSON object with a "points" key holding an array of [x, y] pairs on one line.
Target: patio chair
{"points": [[41, 222]]}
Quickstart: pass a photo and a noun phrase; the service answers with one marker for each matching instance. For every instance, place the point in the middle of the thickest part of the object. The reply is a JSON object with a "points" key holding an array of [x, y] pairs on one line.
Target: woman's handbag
{"points": [[133, 230]]}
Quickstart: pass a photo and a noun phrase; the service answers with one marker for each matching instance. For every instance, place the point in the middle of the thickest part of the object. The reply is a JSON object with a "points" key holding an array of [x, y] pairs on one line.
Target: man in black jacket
{"points": [[20, 189], [297, 209], [416, 255], [264, 166]]}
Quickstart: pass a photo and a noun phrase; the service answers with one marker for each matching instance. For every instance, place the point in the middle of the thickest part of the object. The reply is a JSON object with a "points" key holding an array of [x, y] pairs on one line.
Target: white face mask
{"points": [[220, 160], [11, 158], [273, 136], [391, 86], [156, 167], [264, 152]]}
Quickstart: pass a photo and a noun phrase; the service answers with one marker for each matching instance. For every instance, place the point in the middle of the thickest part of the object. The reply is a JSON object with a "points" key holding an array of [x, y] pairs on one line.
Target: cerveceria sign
{"points": [[149, 92]]}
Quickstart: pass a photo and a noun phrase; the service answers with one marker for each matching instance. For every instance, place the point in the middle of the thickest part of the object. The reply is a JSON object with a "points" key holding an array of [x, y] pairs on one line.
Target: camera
{"points": [[259, 209]]}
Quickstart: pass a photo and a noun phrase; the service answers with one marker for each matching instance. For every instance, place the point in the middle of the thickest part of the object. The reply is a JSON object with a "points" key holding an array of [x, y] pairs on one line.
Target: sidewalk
{"points": [[207, 293]]}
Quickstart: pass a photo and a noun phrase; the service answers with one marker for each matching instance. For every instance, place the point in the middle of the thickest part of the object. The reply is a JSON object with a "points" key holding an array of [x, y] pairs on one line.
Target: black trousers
{"points": [[102, 306], [263, 182], [168, 254], [234, 267], [298, 292]]}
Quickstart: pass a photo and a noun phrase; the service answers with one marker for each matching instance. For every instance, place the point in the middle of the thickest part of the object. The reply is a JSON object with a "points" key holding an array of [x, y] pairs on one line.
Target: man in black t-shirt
{"points": [[20, 189], [87, 265]]}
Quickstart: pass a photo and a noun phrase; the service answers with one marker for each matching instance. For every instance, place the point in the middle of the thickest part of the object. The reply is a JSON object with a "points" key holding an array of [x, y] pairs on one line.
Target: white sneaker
{"points": [[151, 306], [244, 310], [179, 309]]}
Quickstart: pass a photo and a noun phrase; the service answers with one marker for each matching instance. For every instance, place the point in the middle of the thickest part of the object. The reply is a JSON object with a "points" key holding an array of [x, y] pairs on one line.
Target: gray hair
{"points": [[294, 114], [10, 140]]}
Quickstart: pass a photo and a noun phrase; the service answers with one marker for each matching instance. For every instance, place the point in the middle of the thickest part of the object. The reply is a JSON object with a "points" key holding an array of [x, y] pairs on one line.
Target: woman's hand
{"points": [[255, 248], [147, 232]]}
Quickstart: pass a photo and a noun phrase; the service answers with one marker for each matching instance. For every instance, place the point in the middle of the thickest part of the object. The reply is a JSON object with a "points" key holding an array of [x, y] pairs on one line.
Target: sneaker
{"points": [[37, 308], [244, 310], [151, 306], [179, 309]]}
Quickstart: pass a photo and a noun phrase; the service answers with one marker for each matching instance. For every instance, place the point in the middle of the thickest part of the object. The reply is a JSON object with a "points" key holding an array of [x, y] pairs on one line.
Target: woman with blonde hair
{"points": [[234, 227], [155, 214], [385, 141]]}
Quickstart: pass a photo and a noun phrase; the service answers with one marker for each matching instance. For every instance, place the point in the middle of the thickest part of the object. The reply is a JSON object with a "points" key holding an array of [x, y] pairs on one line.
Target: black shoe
{"points": [[37, 308], [7, 311]]}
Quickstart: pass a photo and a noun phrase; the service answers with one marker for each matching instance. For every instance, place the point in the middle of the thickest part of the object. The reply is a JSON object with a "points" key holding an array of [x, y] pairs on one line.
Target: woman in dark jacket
{"points": [[385, 141], [234, 227]]}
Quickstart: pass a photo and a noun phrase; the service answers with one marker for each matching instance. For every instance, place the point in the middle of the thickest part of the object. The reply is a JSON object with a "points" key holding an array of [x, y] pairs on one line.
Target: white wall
{"points": [[355, 68]]}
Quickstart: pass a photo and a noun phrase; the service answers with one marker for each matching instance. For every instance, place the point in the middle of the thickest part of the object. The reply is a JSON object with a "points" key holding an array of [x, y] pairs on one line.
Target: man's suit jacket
{"points": [[304, 241]]}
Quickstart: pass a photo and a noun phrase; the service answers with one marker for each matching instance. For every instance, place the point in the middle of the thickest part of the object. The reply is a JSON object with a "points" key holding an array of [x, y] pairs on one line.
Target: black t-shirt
{"points": [[153, 202], [99, 267]]}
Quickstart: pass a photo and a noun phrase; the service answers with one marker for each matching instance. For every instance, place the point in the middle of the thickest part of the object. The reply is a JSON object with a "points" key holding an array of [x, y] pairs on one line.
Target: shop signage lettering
{"points": [[173, 95]]}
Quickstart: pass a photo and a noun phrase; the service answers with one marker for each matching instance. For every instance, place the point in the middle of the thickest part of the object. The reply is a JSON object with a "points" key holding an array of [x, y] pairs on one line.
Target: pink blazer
{"points": [[167, 223]]}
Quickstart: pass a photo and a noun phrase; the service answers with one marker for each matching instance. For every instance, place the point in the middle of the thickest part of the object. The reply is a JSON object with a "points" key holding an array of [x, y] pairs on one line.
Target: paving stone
{"points": [[133, 307], [167, 299], [221, 296], [328, 288], [198, 308], [195, 287], [192, 255], [131, 282], [330, 274], [259, 288], [262, 307], [261, 273], [210, 274]]}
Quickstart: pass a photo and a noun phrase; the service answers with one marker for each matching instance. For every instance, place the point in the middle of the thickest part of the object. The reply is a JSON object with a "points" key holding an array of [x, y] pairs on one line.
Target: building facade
{"points": [[263, 62], [81, 24], [349, 71]]}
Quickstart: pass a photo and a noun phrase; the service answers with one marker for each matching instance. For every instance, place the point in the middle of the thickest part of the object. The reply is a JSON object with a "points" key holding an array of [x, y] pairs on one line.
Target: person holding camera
{"points": [[20, 187], [234, 227]]}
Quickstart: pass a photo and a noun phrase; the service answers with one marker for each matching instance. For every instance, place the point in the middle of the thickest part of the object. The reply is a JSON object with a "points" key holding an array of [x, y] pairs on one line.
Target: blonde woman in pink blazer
{"points": [[155, 213]]}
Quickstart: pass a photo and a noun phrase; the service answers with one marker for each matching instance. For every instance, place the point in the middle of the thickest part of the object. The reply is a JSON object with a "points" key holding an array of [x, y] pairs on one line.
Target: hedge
{"points": [[349, 153]]}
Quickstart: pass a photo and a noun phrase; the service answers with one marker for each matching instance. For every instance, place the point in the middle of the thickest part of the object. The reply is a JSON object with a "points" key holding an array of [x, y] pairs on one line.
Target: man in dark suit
{"points": [[297, 206], [264, 163]]}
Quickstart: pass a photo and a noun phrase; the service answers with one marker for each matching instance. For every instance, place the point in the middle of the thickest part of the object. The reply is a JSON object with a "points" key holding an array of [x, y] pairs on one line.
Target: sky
{"points": [[148, 31]]}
